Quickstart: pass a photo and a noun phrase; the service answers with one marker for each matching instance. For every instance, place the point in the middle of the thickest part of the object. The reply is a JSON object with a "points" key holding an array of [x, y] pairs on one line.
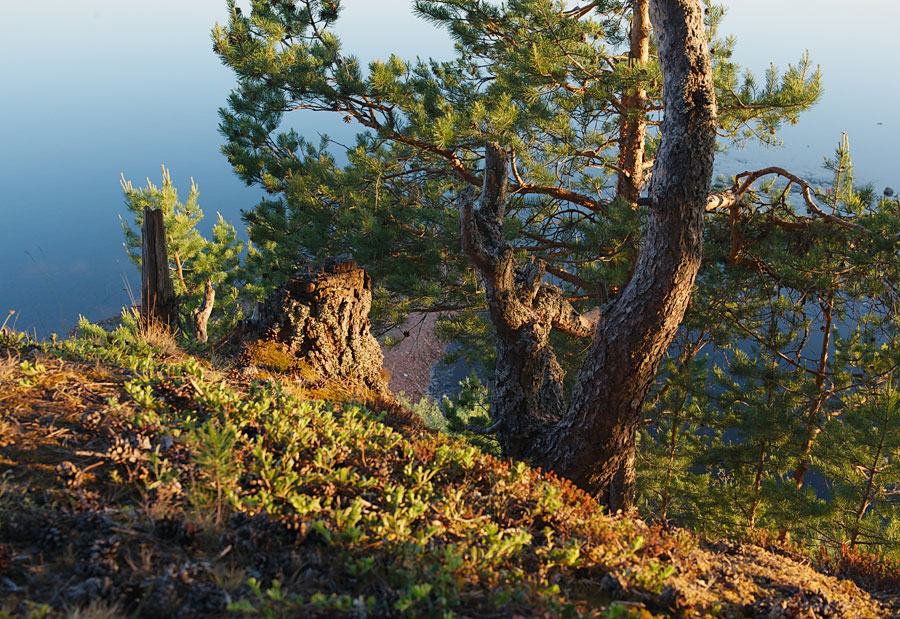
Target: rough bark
{"points": [[158, 301], [322, 317], [633, 128], [201, 316], [528, 393], [597, 434], [591, 441]]}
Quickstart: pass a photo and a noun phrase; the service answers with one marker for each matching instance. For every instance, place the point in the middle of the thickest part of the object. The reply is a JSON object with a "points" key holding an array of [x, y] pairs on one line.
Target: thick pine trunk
{"points": [[591, 441], [596, 436]]}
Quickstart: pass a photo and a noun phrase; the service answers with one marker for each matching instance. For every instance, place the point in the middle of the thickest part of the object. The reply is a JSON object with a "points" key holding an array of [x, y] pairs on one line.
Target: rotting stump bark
{"points": [[322, 318]]}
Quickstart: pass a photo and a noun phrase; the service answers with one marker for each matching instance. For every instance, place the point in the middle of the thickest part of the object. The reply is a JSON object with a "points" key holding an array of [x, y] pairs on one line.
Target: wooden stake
{"points": [[158, 301]]}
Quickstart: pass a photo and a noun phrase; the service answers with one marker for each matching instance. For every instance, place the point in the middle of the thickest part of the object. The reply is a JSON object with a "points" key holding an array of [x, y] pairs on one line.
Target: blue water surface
{"points": [[94, 89]]}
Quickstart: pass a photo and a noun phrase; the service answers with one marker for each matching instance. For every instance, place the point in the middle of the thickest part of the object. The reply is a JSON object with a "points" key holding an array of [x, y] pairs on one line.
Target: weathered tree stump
{"points": [[322, 318], [159, 306]]}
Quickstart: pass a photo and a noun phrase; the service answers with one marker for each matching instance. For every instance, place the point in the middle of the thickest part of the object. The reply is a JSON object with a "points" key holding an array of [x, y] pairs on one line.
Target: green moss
{"points": [[270, 355]]}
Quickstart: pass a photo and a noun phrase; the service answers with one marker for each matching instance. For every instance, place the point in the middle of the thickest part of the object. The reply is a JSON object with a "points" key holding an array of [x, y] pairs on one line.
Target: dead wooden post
{"points": [[158, 302], [201, 317]]}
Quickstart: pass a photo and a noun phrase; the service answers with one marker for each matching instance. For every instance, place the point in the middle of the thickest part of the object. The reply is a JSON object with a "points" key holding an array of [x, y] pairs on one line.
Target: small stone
{"points": [[610, 585], [671, 598], [90, 589]]}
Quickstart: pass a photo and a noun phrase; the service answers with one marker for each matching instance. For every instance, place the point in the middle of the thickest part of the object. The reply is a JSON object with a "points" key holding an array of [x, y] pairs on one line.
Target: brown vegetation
{"points": [[106, 507]]}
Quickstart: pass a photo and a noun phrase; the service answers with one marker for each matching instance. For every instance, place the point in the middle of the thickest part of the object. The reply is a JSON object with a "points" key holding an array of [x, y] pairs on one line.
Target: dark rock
{"points": [[672, 599], [207, 599], [88, 590], [610, 585], [724, 547], [789, 601]]}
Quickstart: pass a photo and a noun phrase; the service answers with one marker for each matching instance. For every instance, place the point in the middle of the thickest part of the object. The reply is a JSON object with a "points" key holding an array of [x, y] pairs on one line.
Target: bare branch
{"points": [[201, 317], [728, 199]]}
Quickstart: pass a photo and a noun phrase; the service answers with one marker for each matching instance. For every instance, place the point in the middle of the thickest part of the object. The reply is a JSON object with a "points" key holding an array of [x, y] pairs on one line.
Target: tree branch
{"points": [[727, 199]]}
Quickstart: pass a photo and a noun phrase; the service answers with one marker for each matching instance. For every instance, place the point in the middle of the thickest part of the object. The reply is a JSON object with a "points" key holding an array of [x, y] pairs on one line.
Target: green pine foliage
{"points": [[672, 487], [786, 350], [194, 259], [859, 456], [465, 416], [791, 430], [530, 74], [468, 415]]}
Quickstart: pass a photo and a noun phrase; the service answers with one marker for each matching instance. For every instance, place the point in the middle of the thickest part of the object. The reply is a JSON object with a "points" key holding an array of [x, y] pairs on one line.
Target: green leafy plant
{"points": [[32, 373], [214, 457]]}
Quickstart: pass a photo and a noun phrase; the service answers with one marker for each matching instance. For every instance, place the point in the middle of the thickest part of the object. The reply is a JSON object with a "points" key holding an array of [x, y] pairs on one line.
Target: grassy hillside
{"points": [[141, 481]]}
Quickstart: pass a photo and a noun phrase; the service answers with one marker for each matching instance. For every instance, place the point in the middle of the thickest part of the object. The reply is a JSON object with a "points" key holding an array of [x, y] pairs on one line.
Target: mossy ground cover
{"points": [[139, 480]]}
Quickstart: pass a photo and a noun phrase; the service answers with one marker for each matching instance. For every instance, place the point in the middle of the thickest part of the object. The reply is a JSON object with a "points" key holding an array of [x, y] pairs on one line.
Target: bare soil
{"points": [[410, 362]]}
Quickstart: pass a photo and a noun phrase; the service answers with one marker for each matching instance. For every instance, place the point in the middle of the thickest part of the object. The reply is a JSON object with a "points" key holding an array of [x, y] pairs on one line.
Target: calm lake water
{"points": [[104, 87]]}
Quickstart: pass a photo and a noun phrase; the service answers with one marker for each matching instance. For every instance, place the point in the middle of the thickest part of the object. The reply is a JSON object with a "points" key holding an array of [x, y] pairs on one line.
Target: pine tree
{"points": [[796, 315], [572, 97], [669, 450], [195, 259], [859, 453]]}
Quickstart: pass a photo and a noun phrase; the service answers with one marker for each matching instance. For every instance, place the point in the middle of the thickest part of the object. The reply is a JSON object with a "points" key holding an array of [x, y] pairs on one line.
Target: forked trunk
{"points": [[528, 397], [591, 441]]}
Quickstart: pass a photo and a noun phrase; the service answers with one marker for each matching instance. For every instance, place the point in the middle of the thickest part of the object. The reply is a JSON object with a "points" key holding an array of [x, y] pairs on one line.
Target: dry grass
{"points": [[158, 336], [96, 609], [100, 531], [8, 365]]}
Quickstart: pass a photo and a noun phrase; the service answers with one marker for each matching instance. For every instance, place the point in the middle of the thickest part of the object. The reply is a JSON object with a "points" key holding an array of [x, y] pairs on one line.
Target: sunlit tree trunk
{"points": [[592, 440], [596, 436], [633, 129]]}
